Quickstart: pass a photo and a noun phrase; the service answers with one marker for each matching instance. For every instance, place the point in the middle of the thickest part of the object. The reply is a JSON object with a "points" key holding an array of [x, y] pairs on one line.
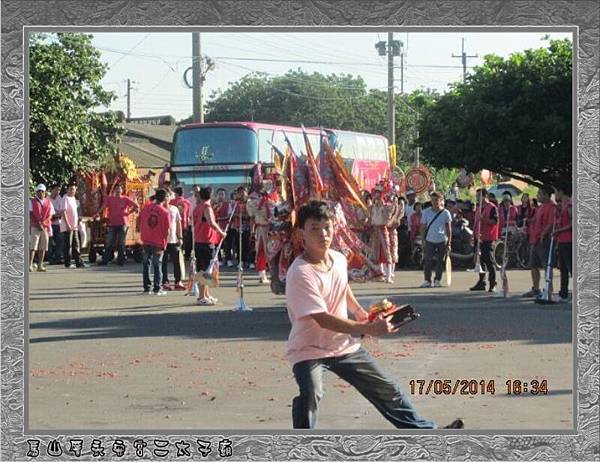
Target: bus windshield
{"points": [[215, 145]]}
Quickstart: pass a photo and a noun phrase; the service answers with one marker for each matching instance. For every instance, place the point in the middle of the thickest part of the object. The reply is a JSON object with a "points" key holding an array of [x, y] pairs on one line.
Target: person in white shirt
{"points": [[436, 225], [55, 251], [174, 242], [69, 226]]}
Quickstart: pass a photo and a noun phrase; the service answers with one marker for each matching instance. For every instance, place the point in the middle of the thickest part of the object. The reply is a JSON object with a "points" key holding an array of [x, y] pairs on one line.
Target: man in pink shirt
{"points": [[540, 230], [318, 300], [119, 207], [154, 230]]}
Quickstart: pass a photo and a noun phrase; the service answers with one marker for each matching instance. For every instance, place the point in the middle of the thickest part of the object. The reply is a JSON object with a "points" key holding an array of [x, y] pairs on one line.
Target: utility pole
{"points": [[402, 71], [128, 99], [464, 57], [391, 103], [197, 79], [200, 67], [390, 49], [129, 82]]}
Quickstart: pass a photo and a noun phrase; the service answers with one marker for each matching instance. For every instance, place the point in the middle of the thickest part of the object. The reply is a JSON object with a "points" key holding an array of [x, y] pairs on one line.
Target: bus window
{"points": [[215, 145], [265, 135]]}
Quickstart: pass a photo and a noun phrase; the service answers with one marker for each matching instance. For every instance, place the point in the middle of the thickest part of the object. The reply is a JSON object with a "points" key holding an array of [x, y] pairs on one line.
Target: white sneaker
{"points": [[425, 285], [389, 280], [229, 263], [204, 302], [252, 266], [437, 283], [160, 292], [212, 299]]}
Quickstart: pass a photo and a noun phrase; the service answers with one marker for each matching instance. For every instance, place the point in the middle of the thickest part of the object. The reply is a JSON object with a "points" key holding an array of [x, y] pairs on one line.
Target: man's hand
{"points": [[361, 315], [380, 326]]}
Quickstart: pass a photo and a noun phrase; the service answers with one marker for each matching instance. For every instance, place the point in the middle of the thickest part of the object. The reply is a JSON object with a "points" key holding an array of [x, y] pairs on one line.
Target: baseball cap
{"points": [[40, 187], [409, 192]]}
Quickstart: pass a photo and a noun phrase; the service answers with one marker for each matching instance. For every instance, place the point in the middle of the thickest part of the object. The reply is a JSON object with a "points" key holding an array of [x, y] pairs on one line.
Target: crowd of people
{"points": [[318, 297], [390, 226]]}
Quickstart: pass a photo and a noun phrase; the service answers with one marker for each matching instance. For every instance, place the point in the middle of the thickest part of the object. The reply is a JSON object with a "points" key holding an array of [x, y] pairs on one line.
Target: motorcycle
{"points": [[463, 243]]}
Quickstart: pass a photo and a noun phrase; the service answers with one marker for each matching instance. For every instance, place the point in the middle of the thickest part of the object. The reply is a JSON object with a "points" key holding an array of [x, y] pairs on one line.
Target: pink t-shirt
{"points": [[69, 205], [309, 291], [118, 209]]}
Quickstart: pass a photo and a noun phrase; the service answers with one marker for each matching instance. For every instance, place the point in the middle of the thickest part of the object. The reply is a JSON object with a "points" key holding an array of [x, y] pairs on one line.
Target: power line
{"points": [[130, 50], [276, 60], [294, 79]]}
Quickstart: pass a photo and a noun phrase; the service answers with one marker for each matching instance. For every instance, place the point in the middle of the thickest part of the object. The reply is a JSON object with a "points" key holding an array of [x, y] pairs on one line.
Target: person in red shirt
{"points": [[119, 207], [154, 230], [415, 221], [525, 212], [540, 230], [487, 214], [244, 229], [222, 209], [207, 234], [185, 210], [563, 234]]}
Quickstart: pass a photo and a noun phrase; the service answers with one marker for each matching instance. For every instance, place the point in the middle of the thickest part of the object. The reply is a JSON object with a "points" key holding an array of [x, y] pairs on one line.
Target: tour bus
{"points": [[223, 154]]}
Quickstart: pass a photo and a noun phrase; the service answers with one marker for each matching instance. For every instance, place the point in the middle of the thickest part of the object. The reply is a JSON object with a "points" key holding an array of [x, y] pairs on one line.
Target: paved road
{"points": [[104, 356]]}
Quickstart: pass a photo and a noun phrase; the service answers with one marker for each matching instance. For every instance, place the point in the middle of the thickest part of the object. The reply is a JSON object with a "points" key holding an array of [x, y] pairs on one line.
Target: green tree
{"points": [[66, 134], [335, 101], [511, 116], [340, 101]]}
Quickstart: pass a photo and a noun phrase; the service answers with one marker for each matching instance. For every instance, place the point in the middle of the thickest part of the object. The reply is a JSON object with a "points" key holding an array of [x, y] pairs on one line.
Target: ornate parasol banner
{"points": [[418, 179]]}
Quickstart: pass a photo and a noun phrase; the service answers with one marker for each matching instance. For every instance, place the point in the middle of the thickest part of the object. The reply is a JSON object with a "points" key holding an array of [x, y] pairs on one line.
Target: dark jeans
{"points": [[434, 253], [486, 263], [229, 244], [360, 370], [71, 248], [245, 256], [56, 248], [172, 254], [154, 255], [188, 242], [115, 238], [565, 261]]}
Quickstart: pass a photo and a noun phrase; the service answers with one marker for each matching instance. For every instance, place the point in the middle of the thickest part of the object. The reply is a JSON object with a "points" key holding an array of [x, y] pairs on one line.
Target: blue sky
{"points": [[156, 61]]}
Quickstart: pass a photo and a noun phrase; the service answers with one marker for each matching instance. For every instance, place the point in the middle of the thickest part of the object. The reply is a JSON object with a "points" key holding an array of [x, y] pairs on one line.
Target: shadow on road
{"points": [[445, 318]]}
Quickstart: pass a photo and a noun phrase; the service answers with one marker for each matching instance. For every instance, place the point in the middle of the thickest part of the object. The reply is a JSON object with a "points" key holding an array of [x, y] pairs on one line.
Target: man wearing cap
{"points": [[508, 213], [40, 226]]}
